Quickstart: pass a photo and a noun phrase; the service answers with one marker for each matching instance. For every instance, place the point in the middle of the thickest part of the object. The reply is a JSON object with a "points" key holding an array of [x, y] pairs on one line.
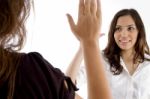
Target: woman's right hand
{"points": [[89, 20]]}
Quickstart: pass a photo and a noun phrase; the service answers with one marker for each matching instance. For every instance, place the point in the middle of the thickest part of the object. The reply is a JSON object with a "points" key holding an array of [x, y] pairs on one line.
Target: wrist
{"points": [[89, 43]]}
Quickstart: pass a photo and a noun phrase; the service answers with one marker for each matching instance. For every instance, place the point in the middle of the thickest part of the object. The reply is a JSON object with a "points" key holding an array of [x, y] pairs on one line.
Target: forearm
{"points": [[74, 66], [96, 78]]}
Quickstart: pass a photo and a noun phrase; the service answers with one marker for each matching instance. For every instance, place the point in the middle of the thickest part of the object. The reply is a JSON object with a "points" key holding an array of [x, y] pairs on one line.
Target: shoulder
{"points": [[146, 61], [35, 59], [34, 64], [36, 77]]}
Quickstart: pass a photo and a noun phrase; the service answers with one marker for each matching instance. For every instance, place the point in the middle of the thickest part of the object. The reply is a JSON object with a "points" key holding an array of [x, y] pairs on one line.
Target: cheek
{"points": [[116, 37], [134, 37]]}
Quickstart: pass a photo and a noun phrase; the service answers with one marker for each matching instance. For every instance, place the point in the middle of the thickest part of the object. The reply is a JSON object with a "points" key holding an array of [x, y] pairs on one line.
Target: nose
{"points": [[124, 33]]}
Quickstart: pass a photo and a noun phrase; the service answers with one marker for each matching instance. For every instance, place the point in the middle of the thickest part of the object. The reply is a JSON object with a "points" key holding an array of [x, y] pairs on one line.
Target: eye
{"points": [[131, 28], [118, 29]]}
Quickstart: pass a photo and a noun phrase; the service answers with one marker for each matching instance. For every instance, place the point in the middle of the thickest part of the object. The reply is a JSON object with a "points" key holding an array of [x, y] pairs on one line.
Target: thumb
{"points": [[71, 22], [101, 34]]}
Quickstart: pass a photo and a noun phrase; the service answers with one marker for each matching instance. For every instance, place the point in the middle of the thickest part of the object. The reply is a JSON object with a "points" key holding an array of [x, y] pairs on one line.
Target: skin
{"points": [[125, 37], [87, 32], [126, 33]]}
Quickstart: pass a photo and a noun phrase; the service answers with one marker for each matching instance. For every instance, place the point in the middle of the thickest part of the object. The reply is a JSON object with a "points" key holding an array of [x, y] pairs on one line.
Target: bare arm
{"points": [[97, 82], [87, 31], [74, 66]]}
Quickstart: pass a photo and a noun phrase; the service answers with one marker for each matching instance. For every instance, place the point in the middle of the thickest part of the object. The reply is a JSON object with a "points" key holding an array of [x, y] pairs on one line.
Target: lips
{"points": [[124, 42]]}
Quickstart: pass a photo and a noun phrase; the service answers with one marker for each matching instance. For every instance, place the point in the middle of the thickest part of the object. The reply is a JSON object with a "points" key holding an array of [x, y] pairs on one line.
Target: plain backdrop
{"points": [[49, 32]]}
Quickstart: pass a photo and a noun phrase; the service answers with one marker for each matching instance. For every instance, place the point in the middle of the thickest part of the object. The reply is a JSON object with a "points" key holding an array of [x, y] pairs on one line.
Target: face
{"points": [[125, 33]]}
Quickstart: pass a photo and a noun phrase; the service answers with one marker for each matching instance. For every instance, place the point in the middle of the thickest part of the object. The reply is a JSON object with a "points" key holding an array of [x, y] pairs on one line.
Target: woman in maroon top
{"points": [[29, 75]]}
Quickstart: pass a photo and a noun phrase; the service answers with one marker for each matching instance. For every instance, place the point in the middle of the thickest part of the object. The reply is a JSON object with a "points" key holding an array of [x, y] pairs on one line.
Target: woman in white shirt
{"points": [[126, 57]]}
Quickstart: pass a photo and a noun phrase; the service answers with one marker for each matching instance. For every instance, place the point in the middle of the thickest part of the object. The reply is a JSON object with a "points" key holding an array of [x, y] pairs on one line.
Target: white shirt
{"points": [[126, 86]]}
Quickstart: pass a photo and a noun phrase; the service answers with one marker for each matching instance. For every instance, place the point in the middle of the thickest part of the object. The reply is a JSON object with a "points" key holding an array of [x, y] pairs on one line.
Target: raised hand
{"points": [[89, 20]]}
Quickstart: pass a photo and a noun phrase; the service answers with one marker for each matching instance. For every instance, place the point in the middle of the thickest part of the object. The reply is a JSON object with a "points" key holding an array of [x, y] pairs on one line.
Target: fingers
{"points": [[101, 34], [87, 7], [98, 12], [81, 7], [90, 7], [93, 6], [71, 22]]}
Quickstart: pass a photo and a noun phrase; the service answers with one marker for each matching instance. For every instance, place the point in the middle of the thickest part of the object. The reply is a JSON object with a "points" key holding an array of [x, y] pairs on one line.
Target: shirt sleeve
{"points": [[36, 78]]}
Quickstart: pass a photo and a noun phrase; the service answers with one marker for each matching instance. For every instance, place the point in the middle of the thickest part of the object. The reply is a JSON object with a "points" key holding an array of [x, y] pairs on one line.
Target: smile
{"points": [[124, 43]]}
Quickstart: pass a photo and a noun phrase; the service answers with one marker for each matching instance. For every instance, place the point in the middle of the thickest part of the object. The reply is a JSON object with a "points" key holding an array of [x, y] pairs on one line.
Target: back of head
{"points": [[13, 14]]}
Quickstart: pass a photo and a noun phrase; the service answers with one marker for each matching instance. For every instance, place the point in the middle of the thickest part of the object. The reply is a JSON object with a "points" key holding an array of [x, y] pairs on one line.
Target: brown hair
{"points": [[13, 14], [112, 51]]}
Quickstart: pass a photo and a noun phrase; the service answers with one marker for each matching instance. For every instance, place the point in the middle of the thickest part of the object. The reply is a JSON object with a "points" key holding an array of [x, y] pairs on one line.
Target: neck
{"points": [[128, 55]]}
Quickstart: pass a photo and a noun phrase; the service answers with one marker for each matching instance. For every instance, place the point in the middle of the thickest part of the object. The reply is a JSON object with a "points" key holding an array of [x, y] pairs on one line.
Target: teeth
{"points": [[123, 41]]}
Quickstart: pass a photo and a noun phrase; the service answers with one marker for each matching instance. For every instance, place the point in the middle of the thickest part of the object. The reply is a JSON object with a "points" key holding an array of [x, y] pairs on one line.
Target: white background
{"points": [[49, 32]]}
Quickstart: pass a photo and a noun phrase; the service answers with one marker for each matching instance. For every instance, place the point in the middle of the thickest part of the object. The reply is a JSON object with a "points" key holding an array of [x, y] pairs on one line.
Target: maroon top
{"points": [[36, 78]]}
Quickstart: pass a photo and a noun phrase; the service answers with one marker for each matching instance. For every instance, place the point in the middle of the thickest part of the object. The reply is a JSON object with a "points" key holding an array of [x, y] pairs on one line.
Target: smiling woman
{"points": [[43, 31], [126, 33], [126, 57], [42, 24]]}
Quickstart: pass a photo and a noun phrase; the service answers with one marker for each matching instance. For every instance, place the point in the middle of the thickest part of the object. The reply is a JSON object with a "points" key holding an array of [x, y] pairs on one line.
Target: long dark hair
{"points": [[13, 14], [112, 51]]}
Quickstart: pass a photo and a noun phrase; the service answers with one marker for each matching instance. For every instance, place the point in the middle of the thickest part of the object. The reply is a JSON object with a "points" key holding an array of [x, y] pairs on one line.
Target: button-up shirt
{"points": [[126, 86]]}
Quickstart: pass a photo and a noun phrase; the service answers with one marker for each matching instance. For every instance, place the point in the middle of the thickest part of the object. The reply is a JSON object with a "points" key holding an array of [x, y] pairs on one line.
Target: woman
{"points": [[29, 75], [126, 57]]}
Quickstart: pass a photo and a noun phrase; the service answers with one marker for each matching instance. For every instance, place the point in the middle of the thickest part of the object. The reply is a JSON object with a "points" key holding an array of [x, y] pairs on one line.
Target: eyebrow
{"points": [[126, 26]]}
